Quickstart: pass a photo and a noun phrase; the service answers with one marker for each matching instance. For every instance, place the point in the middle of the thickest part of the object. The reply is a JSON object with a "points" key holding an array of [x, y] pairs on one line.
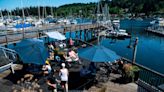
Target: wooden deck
{"points": [[159, 32], [13, 36]]}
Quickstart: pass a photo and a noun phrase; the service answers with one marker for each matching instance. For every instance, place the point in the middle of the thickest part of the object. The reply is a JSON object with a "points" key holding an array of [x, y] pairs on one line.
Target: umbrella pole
{"points": [[98, 39]]}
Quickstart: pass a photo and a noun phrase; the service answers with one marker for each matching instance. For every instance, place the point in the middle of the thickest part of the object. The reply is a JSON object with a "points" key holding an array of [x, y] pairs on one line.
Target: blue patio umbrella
{"points": [[98, 54], [32, 51]]}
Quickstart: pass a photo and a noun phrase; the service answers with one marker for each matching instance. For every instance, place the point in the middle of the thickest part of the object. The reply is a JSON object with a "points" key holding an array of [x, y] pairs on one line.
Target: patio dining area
{"points": [[105, 76]]}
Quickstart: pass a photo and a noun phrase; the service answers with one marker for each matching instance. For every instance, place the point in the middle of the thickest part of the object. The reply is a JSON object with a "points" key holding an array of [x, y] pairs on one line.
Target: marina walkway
{"points": [[13, 36], [156, 31]]}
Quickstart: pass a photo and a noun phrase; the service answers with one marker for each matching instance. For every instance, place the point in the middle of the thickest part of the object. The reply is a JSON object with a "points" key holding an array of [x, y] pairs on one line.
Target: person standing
{"points": [[63, 73], [71, 42]]}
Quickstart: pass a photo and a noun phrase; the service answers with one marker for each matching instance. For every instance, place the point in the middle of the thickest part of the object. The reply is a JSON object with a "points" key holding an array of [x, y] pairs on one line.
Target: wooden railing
{"points": [[149, 79], [11, 56], [13, 36]]}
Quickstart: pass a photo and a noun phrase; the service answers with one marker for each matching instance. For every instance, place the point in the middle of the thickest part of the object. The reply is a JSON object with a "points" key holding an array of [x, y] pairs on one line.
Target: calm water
{"points": [[150, 50]]}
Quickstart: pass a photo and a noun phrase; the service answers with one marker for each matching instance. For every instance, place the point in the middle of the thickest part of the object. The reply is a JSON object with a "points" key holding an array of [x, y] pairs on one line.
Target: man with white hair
{"points": [[64, 77]]}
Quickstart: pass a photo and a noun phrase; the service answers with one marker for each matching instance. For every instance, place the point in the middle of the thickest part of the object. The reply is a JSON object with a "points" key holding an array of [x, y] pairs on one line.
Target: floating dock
{"points": [[159, 31]]}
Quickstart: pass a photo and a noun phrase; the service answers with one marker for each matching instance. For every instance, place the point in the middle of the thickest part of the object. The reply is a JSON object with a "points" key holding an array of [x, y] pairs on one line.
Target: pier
{"points": [[8, 37], [159, 31]]}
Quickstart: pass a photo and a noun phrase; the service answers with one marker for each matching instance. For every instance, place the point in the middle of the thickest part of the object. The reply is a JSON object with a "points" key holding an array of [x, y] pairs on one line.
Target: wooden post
{"points": [[98, 37], [23, 32], [14, 44], [80, 34], [76, 36], [64, 32], [92, 35], [135, 50], [38, 34], [12, 68], [93, 32], [6, 39], [70, 34], [85, 35]]}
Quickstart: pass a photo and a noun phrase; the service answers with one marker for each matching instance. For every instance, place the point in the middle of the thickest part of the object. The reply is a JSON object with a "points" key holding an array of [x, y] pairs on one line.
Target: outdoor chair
{"points": [[57, 58]]}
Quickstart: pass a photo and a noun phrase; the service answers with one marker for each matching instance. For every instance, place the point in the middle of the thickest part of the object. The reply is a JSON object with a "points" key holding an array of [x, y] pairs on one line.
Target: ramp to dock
{"points": [[7, 57]]}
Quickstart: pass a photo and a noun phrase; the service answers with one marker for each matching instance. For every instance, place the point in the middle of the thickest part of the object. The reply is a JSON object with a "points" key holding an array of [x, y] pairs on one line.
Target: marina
{"points": [[91, 46]]}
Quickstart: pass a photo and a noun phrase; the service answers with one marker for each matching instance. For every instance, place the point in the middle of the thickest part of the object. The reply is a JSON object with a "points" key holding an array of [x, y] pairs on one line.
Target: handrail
{"points": [[84, 42], [146, 68], [8, 36], [8, 49]]}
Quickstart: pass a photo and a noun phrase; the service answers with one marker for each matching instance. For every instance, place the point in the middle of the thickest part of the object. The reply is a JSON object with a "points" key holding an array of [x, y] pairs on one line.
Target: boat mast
{"points": [[43, 12], [52, 14], [98, 11], [23, 15], [1, 14], [8, 13], [105, 12], [98, 19], [38, 11]]}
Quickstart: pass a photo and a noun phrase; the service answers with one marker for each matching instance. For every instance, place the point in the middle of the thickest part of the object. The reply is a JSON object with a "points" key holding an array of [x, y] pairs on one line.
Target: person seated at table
{"points": [[84, 72], [92, 68], [53, 84], [51, 57], [57, 58], [62, 45], [50, 47], [67, 58], [47, 68], [74, 56]]}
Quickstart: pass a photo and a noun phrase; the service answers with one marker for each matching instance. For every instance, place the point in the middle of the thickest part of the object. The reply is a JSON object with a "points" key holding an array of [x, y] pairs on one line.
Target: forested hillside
{"points": [[89, 9]]}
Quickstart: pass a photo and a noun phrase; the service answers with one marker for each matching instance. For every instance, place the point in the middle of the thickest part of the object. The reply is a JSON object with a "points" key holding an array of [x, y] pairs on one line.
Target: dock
{"points": [[8, 36], [159, 31]]}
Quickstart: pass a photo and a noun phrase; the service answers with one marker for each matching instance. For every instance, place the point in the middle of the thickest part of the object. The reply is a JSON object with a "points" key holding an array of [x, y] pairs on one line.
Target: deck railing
{"points": [[9, 53], [11, 56], [149, 79], [14, 36]]}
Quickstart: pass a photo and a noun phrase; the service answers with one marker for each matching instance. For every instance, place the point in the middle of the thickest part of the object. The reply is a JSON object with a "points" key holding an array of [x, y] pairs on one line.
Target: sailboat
{"points": [[1, 20], [113, 27]]}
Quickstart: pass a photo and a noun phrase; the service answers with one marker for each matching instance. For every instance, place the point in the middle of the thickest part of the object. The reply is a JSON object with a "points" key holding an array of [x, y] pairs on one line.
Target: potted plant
{"points": [[135, 70], [131, 72]]}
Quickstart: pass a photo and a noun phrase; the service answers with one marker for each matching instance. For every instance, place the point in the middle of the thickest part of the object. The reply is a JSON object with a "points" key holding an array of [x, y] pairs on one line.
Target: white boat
{"points": [[161, 22], [116, 24], [74, 21], [1, 24], [38, 22], [153, 22], [64, 21]]}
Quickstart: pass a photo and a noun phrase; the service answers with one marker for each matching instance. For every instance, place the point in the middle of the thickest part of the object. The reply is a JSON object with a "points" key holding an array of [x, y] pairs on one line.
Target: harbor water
{"points": [[150, 48]]}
